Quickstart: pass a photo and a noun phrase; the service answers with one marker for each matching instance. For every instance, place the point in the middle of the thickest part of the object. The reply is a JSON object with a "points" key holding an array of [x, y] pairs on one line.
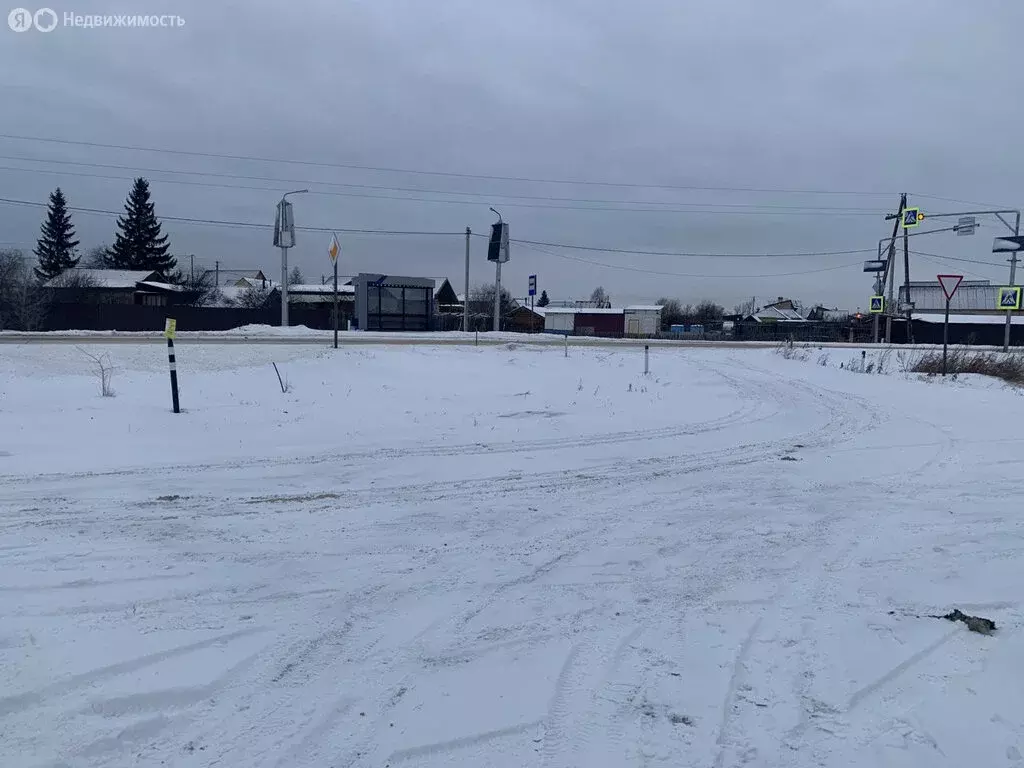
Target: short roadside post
{"points": [[647, 359], [334, 250], [170, 326], [949, 285]]}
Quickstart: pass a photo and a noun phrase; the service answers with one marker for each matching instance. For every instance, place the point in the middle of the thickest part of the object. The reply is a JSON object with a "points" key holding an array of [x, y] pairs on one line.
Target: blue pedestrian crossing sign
{"points": [[533, 285], [1009, 298], [912, 217], [877, 305]]}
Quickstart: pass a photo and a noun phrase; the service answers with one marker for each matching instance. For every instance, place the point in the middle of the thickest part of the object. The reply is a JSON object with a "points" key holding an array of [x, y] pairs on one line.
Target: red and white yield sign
{"points": [[949, 284]]}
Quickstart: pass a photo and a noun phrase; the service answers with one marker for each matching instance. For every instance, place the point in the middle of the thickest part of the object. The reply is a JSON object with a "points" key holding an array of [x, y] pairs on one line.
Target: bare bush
{"points": [[254, 297], [104, 371], [1009, 368]]}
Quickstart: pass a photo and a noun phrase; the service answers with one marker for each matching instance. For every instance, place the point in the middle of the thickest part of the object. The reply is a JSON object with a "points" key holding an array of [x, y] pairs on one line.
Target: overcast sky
{"points": [[830, 95]]}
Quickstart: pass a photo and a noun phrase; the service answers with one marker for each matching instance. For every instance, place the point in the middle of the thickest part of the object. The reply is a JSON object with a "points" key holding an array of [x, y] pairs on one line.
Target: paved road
{"points": [[410, 339]]}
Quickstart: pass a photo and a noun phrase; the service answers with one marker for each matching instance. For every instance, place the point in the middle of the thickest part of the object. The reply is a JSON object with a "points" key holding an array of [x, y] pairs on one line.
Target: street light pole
{"points": [[284, 258], [497, 286]]}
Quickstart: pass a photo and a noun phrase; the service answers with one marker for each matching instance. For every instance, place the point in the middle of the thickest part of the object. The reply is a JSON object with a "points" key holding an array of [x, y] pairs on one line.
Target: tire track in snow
{"points": [[578, 729], [20, 701], [740, 415], [729, 705]]}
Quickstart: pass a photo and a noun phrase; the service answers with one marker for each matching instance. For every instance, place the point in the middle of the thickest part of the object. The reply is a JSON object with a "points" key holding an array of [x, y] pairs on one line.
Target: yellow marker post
{"points": [[170, 327]]}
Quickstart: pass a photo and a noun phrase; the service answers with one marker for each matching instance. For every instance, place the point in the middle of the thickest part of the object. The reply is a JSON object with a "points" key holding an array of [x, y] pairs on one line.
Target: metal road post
{"points": [[335, 303], [945, 338], [465, 298]]}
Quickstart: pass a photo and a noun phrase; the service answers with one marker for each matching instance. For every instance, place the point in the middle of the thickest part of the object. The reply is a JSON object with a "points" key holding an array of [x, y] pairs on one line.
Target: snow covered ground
{"points": [[498, 556]]}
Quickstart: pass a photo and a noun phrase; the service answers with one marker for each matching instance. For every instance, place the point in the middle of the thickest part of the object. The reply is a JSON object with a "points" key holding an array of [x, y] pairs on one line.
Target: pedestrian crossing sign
{"points": [[877, 305], [1009, 298], [912, 217]]}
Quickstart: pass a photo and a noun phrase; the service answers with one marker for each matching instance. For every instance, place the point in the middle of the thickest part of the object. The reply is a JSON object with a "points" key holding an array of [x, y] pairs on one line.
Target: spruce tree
{"points": [[56, 248], [138, 243], [543, 301]]}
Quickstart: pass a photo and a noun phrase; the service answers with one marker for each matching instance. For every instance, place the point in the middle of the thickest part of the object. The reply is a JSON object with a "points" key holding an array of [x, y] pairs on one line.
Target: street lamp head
{"points": [[496, 214], [294, 192]]}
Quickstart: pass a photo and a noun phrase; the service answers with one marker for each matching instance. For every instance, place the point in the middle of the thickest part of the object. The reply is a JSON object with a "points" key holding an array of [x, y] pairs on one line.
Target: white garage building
{"points": [[642, 320]]}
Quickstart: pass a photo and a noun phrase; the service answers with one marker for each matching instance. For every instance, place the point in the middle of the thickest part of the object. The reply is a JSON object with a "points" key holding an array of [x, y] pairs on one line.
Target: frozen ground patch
{"points": [[502, 557]]}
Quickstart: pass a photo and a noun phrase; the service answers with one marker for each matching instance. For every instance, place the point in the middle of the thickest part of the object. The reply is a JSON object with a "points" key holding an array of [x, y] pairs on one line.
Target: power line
{"points": [[349, 230], [956, 258], [942, 260], [400, 198], [623, 268], [240, 224], [633, 252], [447, 174], [488, 195], [955, 200]]}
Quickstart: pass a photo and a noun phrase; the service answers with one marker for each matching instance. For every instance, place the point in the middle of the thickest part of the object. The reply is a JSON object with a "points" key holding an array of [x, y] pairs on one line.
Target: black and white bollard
{"points": [[169, 329]]}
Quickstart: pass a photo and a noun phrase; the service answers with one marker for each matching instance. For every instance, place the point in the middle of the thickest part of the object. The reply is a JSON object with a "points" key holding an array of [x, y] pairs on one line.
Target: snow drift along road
{"points": [[501, 557]]}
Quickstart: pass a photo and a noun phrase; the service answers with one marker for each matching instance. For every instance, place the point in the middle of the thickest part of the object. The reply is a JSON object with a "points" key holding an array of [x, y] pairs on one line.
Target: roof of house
{"points": [[160, 286], [774, 314], [644, 308], [439, 284], [582, 311], [318, 288], [107, 278]]}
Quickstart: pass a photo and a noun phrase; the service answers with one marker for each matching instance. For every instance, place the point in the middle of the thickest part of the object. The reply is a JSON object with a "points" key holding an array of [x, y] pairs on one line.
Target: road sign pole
{"points": [[945, 338], [335, 303], [1013, 276]]}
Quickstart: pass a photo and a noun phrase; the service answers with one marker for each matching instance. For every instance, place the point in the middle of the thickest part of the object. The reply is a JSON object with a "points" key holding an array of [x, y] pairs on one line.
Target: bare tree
{"points": [[22, 302], [708, 312], [198, 289], [671, 313], [745, 309], [600, 297], [254, 297], [295, 277], [481, 304], [95, 258]]}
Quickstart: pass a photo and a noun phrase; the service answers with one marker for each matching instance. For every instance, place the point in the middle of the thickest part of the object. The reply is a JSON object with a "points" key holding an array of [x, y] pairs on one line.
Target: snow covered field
{"points": [[498, 556]]}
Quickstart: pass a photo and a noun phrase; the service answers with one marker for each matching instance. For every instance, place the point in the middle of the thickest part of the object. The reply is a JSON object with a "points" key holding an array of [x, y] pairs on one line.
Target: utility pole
{"points": [[465, 298], [890, 268], [906, 270], [1013, 277], [216, 272]]}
